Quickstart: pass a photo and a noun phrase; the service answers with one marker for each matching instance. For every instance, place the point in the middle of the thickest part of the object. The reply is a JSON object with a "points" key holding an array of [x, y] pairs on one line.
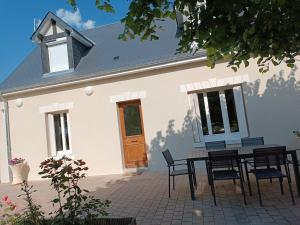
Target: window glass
{"points": [[203, 114], [58, 132], [132, 120], [215, 112], [231, 109], [58, 57]]}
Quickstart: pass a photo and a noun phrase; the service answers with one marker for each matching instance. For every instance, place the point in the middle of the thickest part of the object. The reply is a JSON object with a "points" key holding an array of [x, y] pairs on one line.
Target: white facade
{"points": [[266, 105]]}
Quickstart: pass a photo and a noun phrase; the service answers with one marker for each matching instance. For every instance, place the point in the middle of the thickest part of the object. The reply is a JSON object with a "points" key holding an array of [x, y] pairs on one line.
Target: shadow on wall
{"points": [[273, 111], [179, 142], [273, 108]]}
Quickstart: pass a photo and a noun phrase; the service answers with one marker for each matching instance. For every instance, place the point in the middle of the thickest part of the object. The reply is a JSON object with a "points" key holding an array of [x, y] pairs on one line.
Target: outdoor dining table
{"points": [[244, 152]]}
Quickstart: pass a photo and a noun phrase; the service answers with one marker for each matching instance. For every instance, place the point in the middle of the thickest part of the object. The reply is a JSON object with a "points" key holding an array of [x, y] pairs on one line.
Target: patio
{"points": [[145, 197]]}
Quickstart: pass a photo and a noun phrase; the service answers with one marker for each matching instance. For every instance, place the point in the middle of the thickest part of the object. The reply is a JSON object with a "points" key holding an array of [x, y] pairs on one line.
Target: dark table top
{"points": [[244, 152]]}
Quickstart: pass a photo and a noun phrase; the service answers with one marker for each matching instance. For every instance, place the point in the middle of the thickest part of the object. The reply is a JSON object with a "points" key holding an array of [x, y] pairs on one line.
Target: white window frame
{"points": [[50, 118], [228, 136]]}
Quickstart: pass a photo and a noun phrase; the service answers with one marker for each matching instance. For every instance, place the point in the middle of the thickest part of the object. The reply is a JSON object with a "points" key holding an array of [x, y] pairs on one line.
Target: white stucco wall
{"points": [[272, 110]]}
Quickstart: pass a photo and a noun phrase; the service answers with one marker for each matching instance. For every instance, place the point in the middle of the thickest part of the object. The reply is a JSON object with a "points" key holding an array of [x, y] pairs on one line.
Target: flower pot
{"points": [[20, 172]]}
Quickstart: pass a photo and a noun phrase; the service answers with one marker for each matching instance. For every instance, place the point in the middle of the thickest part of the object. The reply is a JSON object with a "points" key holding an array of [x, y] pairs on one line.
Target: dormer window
{"points": [[58, 56], [62, 47]]}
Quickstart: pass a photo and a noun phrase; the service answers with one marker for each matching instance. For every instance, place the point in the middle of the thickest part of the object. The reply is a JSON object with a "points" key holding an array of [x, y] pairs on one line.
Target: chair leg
{"points": [[243, 190], [169, 186], [242, 173], [281, 186], [247, 176], [195, 179], [212, 186], [259, 194], [194, 175], [208, 174], [173, 182], [290, 184]]}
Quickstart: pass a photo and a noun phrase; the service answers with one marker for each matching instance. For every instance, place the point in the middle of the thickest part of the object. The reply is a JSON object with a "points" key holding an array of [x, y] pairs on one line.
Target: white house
{"points": [[118, 104]]}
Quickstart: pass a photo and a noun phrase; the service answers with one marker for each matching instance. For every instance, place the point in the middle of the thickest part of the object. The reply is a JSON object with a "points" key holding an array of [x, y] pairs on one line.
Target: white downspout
{"points": [[5, 154]]}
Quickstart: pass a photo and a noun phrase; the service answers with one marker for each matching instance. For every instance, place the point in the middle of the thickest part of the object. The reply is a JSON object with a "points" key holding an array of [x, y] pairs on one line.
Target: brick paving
{"points": [[145, 197]]}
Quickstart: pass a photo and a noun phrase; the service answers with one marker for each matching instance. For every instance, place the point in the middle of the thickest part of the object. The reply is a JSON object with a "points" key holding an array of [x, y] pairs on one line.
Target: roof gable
{"points": [[52, 24]]}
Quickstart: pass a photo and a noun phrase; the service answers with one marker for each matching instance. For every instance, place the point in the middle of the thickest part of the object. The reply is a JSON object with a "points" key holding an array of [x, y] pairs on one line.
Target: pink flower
{"points": [[5, 198]]}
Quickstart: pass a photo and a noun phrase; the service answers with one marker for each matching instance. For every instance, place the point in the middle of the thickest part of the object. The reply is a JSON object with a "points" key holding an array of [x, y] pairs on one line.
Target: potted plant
{"points": [[19, 169]]}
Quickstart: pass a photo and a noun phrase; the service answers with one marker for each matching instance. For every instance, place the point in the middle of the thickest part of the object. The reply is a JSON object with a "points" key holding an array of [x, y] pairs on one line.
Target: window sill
{"points": [[57, 157], [57, 73], [71, 156]]}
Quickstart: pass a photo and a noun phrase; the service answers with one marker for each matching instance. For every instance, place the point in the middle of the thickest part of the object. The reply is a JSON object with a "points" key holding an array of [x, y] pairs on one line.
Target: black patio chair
{"points": [[268, 163], [215, 145], [251, 141], [173, 172], [219, 162]]}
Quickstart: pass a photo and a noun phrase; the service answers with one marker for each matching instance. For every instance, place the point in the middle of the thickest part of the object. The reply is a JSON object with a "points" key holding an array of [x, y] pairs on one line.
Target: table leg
{"points": [[192, 190], [296, 170]]}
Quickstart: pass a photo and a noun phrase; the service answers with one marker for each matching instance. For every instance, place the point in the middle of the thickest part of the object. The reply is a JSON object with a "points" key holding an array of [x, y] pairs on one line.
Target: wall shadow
{"points": [[178, 141], [272, 108]]}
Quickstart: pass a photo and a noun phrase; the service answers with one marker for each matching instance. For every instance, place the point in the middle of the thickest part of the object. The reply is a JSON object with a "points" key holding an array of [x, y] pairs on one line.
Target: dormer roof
{"points": [[46, 29]]}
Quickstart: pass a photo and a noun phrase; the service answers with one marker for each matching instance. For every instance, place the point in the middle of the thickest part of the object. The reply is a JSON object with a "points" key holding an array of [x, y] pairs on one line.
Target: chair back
{"points": [[223, 159], [215, 145], [252, 141], [271, 156], [168, 157]]}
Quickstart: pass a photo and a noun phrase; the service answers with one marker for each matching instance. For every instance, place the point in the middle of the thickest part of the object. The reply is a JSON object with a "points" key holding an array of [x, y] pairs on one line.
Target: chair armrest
{"points": [[176, 160], [180, 164]]}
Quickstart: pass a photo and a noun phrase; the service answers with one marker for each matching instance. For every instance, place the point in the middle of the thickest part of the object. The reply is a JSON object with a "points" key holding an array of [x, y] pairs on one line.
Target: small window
{"points": [[58, 57], [59, 133]]}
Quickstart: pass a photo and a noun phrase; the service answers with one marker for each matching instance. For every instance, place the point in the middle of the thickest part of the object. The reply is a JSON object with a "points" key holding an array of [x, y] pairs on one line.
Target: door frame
{"points": [[123, 132]]}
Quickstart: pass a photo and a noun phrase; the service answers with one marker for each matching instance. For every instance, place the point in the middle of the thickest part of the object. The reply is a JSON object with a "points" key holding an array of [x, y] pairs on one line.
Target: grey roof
{"points": [[99, 61]]}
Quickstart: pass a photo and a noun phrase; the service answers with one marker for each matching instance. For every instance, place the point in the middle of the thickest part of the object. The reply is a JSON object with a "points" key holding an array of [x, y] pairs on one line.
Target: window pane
{"points": [[203, 114], [58, 133], [132, 120], [215, 112], [66, 131], [58, 57], [230, 102]]}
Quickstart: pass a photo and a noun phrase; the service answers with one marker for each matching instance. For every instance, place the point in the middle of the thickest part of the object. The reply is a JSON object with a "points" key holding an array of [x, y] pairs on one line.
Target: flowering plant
{"points": [[8, 211], [16, 161]]}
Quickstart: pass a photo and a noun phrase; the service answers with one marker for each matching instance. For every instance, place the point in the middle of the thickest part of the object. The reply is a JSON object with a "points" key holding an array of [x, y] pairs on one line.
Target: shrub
{"points": [[73, 205]]}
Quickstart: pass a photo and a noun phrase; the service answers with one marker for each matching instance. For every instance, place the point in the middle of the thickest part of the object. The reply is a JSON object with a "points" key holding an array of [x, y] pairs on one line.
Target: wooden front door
{"points": [[131, 122]]}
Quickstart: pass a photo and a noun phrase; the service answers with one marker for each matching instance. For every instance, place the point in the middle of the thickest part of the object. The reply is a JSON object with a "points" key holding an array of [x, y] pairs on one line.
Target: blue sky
{"points": [[16, 21]]}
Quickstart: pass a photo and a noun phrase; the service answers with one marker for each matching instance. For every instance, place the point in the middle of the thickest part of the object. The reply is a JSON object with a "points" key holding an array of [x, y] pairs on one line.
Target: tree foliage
{"points": [[235, 30]]}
